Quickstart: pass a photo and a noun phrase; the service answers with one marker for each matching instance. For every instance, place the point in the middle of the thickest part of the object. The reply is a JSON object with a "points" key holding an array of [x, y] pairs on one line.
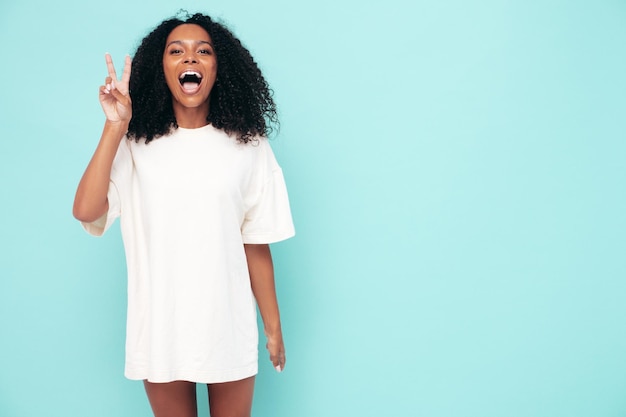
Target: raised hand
{"points": [[114, 95]]}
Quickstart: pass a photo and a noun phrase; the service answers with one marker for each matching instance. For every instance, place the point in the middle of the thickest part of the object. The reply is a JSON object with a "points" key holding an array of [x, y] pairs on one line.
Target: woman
{"points": [[186, 166]]}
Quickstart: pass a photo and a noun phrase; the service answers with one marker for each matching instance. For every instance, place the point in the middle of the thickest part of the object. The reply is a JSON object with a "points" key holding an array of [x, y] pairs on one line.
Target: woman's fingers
{"points": [[113, 95], [110, 66], [119, 96], [106, 88], [279, 361], [276, 350], [112, 82], [126, 73]]}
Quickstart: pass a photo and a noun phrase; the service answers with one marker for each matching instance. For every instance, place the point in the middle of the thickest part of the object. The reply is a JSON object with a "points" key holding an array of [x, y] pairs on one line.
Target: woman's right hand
{"points": [[114, 95]]}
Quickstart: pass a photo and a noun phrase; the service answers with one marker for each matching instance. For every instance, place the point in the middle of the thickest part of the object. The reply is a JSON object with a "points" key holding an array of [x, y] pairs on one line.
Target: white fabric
{"points": [[187, 203]]}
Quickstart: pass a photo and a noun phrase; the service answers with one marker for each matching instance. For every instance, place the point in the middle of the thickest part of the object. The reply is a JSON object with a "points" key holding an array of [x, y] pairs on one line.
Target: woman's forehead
{"points": [[188, 31]]}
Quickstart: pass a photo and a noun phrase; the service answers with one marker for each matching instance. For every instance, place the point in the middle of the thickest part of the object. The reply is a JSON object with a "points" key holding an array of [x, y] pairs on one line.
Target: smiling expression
{"points": [[190, 68]]}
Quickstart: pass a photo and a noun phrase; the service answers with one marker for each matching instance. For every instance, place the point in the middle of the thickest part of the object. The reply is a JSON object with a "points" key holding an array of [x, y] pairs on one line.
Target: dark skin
{"points": [[188, 47], [178, 398]]}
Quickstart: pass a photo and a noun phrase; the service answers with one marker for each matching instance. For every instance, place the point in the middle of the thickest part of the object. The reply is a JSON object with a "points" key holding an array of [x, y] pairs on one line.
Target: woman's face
{"points": [[190, 67]]}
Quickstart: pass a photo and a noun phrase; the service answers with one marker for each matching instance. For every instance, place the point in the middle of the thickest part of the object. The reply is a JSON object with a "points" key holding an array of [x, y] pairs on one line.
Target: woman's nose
{"points": [[190, 58]]}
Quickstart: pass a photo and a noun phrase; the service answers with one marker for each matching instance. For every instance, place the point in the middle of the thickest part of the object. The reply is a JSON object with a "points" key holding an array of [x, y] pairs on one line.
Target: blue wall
{"points": [[457, 174]]}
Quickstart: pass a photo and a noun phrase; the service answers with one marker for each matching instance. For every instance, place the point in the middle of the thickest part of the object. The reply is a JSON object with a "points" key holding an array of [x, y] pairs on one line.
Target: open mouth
{"points": [[190, 81]]}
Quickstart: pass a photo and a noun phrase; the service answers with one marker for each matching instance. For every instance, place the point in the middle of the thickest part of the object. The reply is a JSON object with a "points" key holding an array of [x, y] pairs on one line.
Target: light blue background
{"points": [[457, 176]]}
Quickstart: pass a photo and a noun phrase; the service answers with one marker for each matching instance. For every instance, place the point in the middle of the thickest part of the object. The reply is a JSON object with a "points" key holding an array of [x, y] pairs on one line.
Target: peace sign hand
{"points": [[114, 95]]}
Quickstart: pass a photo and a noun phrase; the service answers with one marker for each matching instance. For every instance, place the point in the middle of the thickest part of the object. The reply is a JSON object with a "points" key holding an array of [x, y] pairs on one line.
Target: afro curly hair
{"points": [[241, 102]]}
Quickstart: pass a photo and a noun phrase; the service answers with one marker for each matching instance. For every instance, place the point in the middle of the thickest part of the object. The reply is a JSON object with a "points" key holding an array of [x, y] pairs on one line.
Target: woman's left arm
{"points": [[262, 280]]}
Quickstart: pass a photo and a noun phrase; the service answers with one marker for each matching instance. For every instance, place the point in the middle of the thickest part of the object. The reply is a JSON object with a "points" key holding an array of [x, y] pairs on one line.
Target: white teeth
{"points": [[197, 74]]}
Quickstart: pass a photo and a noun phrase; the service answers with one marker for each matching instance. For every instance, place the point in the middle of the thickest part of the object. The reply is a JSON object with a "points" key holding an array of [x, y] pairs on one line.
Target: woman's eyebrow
{"points": [[180, 42]]}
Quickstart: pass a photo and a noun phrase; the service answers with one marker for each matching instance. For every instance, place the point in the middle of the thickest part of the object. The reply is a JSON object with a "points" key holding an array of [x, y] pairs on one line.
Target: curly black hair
{"points": [[241, 101]]}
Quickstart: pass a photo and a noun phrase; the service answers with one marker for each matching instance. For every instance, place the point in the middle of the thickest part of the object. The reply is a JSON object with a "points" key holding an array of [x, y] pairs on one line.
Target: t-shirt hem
{"points": [[202, 377], [267, 238], [92, 229]]}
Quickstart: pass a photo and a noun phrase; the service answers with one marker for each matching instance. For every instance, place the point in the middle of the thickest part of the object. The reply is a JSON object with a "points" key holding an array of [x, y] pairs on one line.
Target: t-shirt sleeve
{"points": [[268, 219], [120, 176]]}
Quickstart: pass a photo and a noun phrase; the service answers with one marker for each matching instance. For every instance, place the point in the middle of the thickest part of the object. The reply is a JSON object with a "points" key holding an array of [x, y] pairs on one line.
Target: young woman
{"points": [[183, 160]]}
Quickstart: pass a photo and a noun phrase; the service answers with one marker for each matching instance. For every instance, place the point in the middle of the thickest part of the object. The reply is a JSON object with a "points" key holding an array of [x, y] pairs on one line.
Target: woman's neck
{"points": [[191, 117]]}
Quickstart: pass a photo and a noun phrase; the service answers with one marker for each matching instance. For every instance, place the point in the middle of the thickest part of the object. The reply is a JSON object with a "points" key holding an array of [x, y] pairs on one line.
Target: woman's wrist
{"points": [[113, 132], [116, 126], [273, 329]]}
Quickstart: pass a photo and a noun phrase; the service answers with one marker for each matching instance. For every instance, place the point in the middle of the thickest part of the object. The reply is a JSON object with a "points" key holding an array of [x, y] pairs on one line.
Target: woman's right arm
{"points": [[91, 201]]}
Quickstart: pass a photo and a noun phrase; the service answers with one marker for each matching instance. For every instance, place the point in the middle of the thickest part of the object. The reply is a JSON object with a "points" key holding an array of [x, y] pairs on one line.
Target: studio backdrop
{"points": [[457, 178]]}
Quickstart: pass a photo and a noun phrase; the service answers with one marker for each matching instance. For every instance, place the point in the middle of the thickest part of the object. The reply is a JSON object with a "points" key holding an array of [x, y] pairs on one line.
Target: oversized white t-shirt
{"points": [[187, 203]]}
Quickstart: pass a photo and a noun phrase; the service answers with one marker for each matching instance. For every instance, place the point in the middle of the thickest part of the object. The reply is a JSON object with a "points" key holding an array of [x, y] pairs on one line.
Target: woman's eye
{"points": [[205, 52], [175, 51]]}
